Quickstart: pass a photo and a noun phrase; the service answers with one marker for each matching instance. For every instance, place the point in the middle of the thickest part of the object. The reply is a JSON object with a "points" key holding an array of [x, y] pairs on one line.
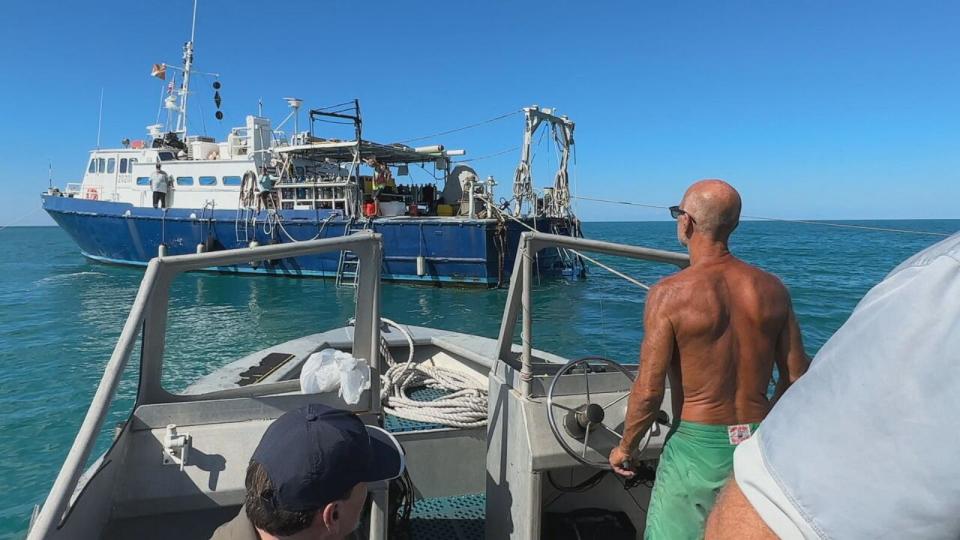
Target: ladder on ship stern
{"points": [[349, 265]]}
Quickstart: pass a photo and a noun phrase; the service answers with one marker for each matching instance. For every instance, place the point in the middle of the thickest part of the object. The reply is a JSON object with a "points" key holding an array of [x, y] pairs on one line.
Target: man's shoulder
{"points": [[669, 289], [689, 283]]}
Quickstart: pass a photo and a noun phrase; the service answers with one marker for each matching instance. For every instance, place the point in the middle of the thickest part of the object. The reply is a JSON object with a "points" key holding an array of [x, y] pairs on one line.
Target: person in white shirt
{"points": [[160, 184]]}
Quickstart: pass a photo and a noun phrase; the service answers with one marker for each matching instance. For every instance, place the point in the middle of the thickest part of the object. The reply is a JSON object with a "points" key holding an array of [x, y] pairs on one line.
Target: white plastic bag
{"points": [[328, 369], [319, 373], [354, 377]]}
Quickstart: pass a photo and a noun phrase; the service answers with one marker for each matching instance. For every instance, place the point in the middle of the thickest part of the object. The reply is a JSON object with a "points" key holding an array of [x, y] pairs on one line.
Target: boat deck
{"points": [[454, 518]]}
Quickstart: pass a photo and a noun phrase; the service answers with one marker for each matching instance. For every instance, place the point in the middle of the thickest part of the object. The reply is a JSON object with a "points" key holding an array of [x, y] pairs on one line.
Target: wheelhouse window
{"points": [[143, 181], [93, 166], [184, 180], [208, 180], [101, 165], [166, 156], [232, 180], [111, 165], [123, 166]]}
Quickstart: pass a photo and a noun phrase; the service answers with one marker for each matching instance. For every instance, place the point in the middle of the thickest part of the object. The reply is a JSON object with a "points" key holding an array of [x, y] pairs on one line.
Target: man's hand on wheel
{"points": [[617, 460]]}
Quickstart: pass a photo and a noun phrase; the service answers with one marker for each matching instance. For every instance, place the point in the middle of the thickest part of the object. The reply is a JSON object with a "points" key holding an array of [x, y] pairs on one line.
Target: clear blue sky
{"points": [[812, 109]]}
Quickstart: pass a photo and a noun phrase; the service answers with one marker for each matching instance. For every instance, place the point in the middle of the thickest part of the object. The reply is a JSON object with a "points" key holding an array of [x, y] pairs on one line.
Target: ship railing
{"points": [[149, 315], [519, 302]]}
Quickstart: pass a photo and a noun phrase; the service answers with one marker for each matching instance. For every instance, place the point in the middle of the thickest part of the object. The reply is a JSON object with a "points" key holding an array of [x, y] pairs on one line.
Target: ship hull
{"points": [[456, 251]]}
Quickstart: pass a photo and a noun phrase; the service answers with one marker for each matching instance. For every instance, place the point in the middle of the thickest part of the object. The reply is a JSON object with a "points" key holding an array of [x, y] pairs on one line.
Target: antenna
{"points": [[100, 118], [193, 28], [260, 107], [187, 64], [49, 174]]}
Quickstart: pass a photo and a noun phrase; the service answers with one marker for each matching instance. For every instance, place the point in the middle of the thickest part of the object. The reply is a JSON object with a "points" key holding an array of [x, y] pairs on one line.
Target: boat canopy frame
{"points": [[519, 303], [148, 318], [344, 151]]}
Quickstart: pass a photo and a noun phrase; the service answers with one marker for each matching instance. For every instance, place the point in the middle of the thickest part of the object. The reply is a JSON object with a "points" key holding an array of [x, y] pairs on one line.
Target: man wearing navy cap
{"points": [[308, 477]]}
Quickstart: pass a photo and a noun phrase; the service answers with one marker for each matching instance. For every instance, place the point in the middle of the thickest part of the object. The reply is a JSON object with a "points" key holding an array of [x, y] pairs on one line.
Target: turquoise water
{"points": [[60, 316]]}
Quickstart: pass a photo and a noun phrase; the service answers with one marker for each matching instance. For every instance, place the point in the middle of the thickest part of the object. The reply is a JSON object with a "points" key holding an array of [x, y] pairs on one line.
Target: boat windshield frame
{"points": [[519, 304], [147, 322]]}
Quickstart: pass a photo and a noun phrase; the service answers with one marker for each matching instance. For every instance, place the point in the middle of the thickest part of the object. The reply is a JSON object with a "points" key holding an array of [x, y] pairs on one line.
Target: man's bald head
{"points": [[714, 206]]}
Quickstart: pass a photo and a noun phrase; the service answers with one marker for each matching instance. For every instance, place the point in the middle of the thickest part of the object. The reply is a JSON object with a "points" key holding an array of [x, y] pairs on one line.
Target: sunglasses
{"points": [[676, 212]]}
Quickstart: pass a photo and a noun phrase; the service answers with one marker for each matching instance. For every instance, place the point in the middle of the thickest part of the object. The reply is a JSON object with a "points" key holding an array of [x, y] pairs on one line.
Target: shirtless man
{"points": [[716, 329]]}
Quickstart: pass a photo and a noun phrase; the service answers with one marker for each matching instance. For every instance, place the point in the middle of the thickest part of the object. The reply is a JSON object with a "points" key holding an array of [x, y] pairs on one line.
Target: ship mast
{"points": [[185, 86]]}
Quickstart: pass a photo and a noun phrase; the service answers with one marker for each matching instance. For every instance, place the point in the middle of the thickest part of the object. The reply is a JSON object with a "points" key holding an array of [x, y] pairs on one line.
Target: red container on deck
{"points": [[369, 209], [414, 210]]}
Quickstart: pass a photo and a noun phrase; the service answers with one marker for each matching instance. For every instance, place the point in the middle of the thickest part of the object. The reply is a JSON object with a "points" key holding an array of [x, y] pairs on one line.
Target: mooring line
{"points": [[802, 221]]}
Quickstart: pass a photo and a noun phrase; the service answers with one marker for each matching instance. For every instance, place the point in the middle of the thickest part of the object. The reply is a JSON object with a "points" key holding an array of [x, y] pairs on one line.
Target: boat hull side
{"points": [[456, 251]]}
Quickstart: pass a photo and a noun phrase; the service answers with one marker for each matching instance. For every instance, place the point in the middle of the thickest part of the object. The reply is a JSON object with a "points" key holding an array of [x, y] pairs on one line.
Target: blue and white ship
{"points": [[456, 233]]}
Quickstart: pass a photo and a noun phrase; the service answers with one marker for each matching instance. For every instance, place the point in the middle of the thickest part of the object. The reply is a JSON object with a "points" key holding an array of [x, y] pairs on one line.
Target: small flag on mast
{"points": [[159, 71]]}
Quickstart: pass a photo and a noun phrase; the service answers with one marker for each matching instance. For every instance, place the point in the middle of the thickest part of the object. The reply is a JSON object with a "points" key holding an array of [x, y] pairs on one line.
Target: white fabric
{"points": [[867, 443], [456, 183], [159, 181], [759, 487]]}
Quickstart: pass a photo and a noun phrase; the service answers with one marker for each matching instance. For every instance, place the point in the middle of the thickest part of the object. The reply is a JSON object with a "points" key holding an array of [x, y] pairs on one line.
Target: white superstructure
{"points": [[205, 173]]}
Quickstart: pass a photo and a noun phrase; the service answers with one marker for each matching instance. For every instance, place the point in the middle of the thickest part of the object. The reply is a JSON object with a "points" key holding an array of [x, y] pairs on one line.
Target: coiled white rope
{"points": [[464, 407]]}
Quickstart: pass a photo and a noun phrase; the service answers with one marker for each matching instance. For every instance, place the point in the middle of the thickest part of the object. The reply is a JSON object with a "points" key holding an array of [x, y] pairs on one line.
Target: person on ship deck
{"points": [[266, 197], [716, 329], [160, 185]]}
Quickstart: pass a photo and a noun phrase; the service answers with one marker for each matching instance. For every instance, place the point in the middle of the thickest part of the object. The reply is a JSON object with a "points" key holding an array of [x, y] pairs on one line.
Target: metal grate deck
{"points": [[448, 518], [396, 424]]}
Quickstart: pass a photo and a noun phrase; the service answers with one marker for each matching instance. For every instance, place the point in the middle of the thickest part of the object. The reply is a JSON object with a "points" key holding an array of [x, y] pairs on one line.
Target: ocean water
{"points": [[60, 316]]}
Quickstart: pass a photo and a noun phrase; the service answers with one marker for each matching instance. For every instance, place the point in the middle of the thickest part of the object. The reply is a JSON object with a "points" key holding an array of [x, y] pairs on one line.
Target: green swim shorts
{"points": [[696, 461]]}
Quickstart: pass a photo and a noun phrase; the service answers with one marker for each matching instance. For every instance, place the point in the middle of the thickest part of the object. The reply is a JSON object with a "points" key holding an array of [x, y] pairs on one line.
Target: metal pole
{"points": [[187, 66], [100, 118], [60, 493], [378, 515], [526, 336], [472, 205]]}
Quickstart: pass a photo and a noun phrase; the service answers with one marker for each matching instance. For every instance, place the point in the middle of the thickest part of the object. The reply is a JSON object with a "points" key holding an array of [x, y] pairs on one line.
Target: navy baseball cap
{"points": [[315, 454]]}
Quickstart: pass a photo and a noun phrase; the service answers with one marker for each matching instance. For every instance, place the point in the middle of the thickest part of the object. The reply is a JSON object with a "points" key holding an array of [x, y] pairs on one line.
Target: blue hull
{"points": [[457, 251]]}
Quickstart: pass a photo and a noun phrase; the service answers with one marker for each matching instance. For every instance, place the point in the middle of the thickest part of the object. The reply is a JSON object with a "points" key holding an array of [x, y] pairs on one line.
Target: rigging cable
{"points": [[806, 222], [21, 218], [488, 156], [470, 126]]}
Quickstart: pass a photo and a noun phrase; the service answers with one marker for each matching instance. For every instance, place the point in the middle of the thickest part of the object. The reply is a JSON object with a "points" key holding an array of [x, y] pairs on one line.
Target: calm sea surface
{"points": [[60, 316]]}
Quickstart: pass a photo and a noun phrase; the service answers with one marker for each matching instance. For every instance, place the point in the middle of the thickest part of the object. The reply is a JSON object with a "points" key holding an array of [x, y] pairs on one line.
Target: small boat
{"points": [[445, 226], [517, 449]]}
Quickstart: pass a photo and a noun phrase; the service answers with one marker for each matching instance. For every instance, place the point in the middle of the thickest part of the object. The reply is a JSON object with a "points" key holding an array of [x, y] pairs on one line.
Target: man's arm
{"points": [[792, 360], [648, 390]]}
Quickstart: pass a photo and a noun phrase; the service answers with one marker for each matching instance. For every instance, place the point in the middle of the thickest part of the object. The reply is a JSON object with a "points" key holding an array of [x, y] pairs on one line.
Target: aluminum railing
{"points": [[519, 296], [149, 311]]}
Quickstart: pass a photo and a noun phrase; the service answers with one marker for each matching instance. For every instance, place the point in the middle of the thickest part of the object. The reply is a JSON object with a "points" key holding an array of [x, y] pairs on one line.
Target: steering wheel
{"points": [[579, 422]]}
